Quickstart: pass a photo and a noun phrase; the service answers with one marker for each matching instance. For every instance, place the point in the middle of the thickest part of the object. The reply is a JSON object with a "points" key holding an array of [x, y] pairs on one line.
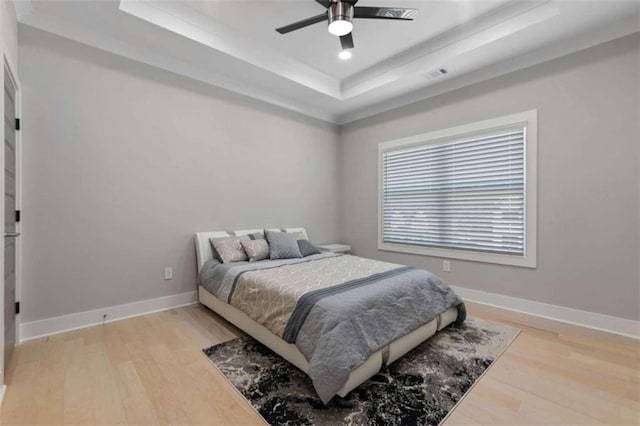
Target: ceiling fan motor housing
{"points": [[340, 11]]}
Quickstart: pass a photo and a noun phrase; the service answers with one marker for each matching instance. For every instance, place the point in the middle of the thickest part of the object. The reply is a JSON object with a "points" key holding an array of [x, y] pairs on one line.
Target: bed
{"points": [[335, 368]]}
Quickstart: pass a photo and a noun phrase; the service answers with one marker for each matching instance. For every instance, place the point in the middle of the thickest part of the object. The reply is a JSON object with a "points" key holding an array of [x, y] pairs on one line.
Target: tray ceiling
{"points": [[233, 44], [375, 40]]}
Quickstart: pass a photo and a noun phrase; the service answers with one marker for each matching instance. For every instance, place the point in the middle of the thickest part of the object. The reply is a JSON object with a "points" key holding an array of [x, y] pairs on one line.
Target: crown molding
{"points": [[481, 31], [369, 93], [190, 23], [619, 29], [146, 56]]}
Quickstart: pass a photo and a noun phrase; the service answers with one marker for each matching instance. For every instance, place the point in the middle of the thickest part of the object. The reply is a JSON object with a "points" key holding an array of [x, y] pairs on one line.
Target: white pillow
{"points": [[229, 249]]}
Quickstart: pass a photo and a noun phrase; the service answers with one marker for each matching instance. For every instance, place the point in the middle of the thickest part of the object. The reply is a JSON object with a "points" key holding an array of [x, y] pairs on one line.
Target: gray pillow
{"points": [[282, 245], [229, 249], [306, 248], [256, 249], [256, 236]]}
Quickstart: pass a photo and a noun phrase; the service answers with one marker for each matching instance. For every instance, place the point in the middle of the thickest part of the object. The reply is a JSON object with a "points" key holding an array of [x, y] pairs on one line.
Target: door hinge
{"points": [[17, 308], [17, 124], [17, 215]]}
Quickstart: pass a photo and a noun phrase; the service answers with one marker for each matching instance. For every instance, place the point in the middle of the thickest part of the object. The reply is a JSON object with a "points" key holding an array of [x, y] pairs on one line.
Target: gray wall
{"points": [[9, 33], [123, 163], [588, 180]]}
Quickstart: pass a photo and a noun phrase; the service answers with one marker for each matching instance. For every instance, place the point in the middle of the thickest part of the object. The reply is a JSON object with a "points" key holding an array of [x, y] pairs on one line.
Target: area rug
{"points": [[420, 388]]}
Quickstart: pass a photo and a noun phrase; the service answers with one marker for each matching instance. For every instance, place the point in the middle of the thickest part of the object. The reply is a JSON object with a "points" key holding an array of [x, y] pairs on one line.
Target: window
{"points": [[465, 193]]}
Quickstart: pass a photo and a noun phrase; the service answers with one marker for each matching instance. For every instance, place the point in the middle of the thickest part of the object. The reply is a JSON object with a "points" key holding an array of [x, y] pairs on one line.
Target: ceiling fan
{"points": [[340, 13]]}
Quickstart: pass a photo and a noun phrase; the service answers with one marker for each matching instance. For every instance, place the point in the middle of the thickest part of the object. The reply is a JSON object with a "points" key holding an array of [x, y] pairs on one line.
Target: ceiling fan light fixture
{"points": [[340, 16], [340, 28]]}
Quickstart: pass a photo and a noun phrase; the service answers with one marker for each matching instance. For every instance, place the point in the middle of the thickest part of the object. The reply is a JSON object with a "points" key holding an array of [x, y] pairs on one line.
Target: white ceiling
{"points": [[375, 40], [233, 44]]}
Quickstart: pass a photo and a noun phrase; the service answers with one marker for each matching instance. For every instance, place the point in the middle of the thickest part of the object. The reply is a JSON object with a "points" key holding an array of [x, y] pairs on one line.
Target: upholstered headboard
{"points": [[203, 246]]}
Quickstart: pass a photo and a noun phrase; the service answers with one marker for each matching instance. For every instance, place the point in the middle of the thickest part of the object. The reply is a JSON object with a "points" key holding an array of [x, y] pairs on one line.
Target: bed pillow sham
{"points": [[229, 249], [306, 248], [282, 245], [299, 235], [257, 249]]}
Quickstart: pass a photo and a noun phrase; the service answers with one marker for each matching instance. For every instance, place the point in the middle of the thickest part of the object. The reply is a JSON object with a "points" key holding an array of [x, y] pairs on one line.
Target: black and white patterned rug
{"points": [[420, 388]]}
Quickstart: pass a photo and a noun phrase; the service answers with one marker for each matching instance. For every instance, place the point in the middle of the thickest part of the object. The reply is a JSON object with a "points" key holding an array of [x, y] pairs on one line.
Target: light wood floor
{"points": [[149, 370]]}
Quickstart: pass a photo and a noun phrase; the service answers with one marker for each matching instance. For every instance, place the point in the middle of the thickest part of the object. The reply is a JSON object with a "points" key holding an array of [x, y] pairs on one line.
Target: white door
{"points": [[11, 234]]}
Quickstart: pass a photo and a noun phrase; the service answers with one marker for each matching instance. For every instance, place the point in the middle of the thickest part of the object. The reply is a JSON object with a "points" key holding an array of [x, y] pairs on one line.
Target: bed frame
{"points": [[290, 352]]}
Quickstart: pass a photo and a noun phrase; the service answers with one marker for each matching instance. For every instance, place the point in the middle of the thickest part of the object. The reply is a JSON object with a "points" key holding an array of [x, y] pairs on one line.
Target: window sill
{"points": [[528, 261]]}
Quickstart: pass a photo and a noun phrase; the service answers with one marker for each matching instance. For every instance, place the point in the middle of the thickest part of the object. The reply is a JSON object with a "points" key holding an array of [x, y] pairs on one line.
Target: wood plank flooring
{"points": [[150, 370]]}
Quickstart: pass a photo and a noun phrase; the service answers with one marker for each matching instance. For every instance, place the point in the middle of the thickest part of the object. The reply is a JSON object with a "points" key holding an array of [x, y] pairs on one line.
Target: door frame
{"points": [[8, 68]]}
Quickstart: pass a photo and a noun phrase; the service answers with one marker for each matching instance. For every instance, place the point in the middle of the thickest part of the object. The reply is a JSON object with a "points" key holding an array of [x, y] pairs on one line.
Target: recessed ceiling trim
{"points": [[102, 25], [606, 33], [88, 37], [480, 32], [187, 22]]}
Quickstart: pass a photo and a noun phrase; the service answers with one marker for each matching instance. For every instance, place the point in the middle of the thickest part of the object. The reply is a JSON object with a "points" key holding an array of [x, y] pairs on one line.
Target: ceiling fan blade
{"points": [[385, 13], [327, 3], [302, 24], [346, 41]]}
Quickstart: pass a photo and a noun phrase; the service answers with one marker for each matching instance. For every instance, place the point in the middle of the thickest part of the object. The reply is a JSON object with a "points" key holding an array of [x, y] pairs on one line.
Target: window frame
{"points": [[530, 120]]}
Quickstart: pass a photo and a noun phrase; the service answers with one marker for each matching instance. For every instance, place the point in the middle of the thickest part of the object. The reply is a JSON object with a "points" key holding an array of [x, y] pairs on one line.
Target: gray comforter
{"points": [[322, 301]]}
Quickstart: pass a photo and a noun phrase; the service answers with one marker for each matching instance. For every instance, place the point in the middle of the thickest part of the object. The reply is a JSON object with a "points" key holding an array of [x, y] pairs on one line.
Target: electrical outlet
{"points": [[168, 273], [446, 265]]}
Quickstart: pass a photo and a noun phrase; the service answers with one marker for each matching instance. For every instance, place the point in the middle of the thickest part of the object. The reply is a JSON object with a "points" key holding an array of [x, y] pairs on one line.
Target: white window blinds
{"points": [[465, 193]]}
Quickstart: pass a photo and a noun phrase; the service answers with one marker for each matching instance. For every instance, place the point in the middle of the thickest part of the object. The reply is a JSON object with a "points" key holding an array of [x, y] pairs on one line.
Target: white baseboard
{"points": [[610, 324], [55, 325]]}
